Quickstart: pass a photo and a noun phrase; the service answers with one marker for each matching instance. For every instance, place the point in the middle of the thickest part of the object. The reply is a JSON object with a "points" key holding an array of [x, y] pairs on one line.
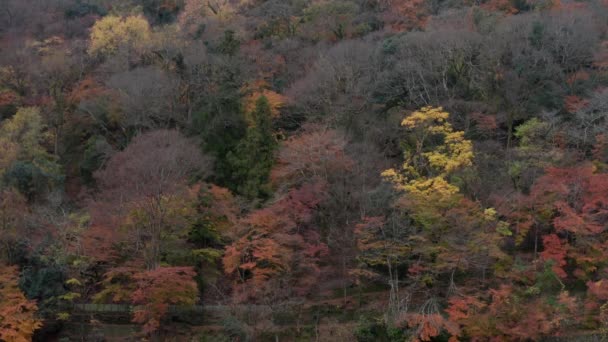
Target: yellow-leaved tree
{"points": [[437, 152], [22, 135], [445, 237], [112, 33], [24, 161]]}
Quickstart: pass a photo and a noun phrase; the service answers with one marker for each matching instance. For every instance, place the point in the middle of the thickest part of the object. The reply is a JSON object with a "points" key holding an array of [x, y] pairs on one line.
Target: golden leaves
{"points": [[426, 168], [426, 116], [258, 89], [111, 32]]}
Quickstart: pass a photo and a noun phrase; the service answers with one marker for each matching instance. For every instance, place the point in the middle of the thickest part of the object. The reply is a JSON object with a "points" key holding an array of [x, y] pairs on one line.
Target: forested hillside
{"points": [[303, 170]]}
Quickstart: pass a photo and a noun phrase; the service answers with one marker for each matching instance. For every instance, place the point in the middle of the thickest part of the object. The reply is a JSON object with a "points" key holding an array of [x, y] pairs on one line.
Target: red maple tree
{"points": [[157, 290], [277, 245]]}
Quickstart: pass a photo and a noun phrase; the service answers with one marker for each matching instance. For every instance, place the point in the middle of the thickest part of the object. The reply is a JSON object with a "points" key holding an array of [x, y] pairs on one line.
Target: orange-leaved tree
{"points": [[158, 289], [509, 313], [18, 320], [278, 247]]}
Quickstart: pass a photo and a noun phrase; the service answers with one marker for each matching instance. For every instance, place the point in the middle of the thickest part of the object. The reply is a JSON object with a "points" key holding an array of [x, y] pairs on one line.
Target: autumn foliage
{"points": [[18, 320], [156, 290], [278, 243], [357, 170]]}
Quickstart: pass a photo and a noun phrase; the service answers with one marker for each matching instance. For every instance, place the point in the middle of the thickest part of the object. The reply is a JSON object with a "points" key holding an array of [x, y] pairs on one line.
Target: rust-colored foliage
{"points": [[509, 314], [598, 289], [505, 6], [405, 15], [98, 241], [17, 314], [258, 89], [157, 290], [555, 250], [578, 195], [429, 326], [600, 149], [595, 303], [278, 242], [574, 103], [86, 89], [565, 6], [486, 123], [8, 98], [464, 311], [315, 152], [573, 202]]}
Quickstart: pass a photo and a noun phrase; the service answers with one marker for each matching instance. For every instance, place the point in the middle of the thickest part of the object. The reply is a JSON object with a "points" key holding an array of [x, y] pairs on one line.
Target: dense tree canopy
{"points": [[17, 313], [327, 170]]}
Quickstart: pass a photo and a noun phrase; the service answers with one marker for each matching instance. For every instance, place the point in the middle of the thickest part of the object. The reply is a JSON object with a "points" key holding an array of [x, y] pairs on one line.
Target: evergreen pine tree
{"points": [[253, 157]]}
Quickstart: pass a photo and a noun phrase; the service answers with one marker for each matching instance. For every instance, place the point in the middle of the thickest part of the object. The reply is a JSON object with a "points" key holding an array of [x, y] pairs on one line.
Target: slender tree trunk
{"points": [[57, 133], [509, 129], [343, 279], [393, 300], [535, 242]]}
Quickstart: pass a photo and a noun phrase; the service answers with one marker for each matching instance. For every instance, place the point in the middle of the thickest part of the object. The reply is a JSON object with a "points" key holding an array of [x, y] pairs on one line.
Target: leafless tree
{"points": [[149, 98], [144, 178]]}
